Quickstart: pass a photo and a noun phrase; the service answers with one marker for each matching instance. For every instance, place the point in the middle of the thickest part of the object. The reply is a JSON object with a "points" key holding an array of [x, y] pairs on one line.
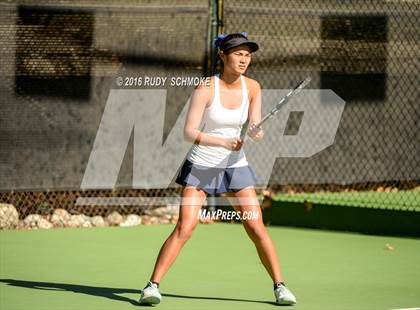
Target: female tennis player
{"points": [[216, 162]]}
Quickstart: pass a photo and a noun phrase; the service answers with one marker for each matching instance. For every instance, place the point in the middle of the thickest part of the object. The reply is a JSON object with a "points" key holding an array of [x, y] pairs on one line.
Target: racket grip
{"points": [[246, 138]]}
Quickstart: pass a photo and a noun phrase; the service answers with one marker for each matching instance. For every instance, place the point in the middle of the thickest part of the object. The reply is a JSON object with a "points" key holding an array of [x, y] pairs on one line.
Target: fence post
{"points": [[215, 28]]}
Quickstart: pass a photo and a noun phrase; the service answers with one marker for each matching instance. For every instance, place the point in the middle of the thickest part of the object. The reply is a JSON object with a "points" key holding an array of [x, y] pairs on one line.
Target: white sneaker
{"points": [[150, 294], [284, 296]]}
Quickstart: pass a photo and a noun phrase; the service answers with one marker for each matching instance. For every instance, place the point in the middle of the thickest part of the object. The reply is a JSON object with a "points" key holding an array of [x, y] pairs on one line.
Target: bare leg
{"points": [[192, 201], [257, 232]]}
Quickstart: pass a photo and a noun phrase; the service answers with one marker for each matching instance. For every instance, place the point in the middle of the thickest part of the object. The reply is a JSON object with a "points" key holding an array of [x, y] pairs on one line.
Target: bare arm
{"points": [[255, 112], [201, 96]]}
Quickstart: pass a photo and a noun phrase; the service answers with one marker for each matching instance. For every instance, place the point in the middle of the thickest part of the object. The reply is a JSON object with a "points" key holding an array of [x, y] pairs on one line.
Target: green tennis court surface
{"points": [[105, 268]]}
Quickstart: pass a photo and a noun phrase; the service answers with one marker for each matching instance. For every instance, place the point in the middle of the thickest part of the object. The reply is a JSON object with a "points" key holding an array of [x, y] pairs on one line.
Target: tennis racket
{"points": [[302, 84]]}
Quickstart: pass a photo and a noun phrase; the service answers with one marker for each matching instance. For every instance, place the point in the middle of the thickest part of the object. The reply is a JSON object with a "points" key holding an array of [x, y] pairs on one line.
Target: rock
{"points": [[172, 209], [145, 220], [131, 220], [79, 220], [60, 217], [164, 221], [98, 221], [44, 224], [154, 220], [21, 225], [36, 221], [32, 220], [9, 217], [206, 221], [114, 218], [167, 217], [157, 211], [161, 211], [174, 218]]}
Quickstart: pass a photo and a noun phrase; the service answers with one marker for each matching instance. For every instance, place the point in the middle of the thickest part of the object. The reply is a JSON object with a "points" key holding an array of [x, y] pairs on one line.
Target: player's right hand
{"points": [[232, 144]]}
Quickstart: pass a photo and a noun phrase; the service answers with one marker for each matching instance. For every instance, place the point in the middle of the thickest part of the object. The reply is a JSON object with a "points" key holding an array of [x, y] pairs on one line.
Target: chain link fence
{"points": [[60, 59], [365, 51]]}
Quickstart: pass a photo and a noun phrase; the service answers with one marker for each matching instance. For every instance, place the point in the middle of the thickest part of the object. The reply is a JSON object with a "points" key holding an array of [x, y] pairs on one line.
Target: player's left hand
{"points": [[256, 133]]}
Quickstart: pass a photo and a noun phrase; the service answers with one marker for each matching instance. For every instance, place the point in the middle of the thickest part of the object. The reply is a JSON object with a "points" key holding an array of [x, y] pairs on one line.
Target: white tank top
{"points": [[221, 122]]}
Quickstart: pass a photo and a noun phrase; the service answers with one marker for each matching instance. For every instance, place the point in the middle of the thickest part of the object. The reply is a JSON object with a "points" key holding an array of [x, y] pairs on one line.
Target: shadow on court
{"points": [[218, 298], [108, 292]]}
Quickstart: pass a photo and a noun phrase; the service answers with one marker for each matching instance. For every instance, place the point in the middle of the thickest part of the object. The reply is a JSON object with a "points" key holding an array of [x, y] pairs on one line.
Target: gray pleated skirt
{"points": [[216, 180]]}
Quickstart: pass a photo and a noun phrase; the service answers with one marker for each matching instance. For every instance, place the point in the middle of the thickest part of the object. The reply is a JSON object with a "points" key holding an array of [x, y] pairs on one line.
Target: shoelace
{"points": [[152, 285], [149, 284], [282, 289]]}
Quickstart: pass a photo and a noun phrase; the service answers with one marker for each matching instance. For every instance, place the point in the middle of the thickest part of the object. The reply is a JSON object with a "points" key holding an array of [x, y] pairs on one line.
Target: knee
{"points": [[184, 231], [256, 233]]}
